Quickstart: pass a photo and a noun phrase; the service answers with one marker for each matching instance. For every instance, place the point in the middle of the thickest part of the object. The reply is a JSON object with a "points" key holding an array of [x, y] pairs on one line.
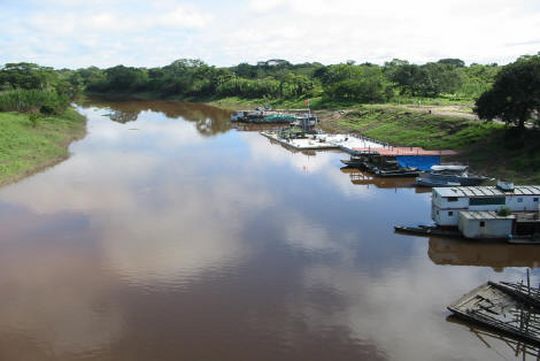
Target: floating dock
{"points": [[352, 144], [322, 141]]}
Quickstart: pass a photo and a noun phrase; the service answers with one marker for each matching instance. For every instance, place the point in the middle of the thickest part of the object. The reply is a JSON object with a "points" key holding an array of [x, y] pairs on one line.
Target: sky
{"points": [[104, 33]]}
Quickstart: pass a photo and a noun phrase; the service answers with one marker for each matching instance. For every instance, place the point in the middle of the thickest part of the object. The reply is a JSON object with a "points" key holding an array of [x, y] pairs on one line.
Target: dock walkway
{"points": [[344, 142]]}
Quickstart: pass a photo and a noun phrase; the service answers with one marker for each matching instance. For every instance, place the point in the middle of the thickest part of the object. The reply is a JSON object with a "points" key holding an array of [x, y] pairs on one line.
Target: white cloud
{"points": [[148, 34], [265, 5], [183, 16]]}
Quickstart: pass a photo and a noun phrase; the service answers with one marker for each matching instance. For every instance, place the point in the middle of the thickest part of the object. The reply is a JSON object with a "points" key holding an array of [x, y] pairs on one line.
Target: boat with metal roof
{"points": [[449, 175]]}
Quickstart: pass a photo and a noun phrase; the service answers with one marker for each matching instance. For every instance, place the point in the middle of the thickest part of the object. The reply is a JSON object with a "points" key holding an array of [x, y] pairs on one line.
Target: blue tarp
{"points": [[421, 162]]}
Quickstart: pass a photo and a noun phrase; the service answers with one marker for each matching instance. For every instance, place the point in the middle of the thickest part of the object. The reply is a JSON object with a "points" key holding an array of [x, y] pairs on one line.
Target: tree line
{"points": [[275, 79], [25, 86]]}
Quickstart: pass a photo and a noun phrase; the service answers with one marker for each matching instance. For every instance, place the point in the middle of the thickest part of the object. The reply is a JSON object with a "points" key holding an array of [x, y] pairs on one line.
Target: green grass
{"points": [[401, 126], [507, 154], [27, 146]]}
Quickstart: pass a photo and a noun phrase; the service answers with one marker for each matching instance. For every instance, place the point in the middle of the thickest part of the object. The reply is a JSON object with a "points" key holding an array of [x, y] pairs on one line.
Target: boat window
{"points": [[520, 200], [487, 201], [450, 213], [482, 224], [452, 199], [535, 199]]}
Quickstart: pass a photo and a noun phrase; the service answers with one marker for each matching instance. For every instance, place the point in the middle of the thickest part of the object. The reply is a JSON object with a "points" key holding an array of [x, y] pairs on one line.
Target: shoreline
{"points": [[28, 149]]}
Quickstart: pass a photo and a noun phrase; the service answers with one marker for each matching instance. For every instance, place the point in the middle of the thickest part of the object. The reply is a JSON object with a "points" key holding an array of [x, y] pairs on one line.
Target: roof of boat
{"points": [[484, 215], [455, 167], [486, 191]]}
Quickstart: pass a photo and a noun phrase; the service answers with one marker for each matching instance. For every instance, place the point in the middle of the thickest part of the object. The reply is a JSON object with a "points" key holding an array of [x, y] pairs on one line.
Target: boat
{"points": [[511, 309], [391, 168], [278, 118], [449, 175], [422, 230], [355, 162], [359, 161], [402, 172], [261, 115], [305, 121]]}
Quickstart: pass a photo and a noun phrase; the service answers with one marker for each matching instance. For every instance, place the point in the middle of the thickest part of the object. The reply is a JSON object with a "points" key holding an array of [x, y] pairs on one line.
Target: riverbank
{"points": [[489, 148], [29, 145]]}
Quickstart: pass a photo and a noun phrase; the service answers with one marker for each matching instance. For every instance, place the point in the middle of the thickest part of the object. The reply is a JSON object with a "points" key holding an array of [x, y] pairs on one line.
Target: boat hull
{"points": [[448, 181], [360, 164]]}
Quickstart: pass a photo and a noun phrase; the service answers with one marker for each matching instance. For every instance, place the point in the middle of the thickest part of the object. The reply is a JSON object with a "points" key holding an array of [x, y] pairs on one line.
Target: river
{"points": [[169, 235]]}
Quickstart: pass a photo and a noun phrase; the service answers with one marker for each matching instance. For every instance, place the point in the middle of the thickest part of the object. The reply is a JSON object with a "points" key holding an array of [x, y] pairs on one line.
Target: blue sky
{"points": [[79, 33]]}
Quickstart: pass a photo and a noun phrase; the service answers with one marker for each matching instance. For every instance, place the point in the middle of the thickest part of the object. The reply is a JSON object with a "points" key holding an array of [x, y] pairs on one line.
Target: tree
{"points": [[124, 78], [363, 83], [27, 76], [458, 63], [515, 95]]}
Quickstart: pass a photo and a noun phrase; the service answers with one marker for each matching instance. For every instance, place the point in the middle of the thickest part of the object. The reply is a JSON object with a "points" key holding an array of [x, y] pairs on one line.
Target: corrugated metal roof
{"points": [[486, 191], [483, 215]]}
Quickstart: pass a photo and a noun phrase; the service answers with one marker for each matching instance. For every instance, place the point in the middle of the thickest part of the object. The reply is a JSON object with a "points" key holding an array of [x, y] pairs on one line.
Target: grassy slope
{"points": [[490, 148], [403, 126], [25, 148]]}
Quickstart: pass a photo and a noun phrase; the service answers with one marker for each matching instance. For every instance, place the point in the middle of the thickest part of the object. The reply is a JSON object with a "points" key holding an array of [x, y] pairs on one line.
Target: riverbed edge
{"points": [[45, 142]]}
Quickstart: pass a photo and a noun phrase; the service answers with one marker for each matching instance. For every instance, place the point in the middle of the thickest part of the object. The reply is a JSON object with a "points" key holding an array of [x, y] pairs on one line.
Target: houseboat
{"points": [[488, 212]]}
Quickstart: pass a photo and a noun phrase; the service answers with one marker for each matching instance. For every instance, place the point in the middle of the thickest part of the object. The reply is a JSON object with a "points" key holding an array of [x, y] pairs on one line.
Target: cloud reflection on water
{"points": [[151, 228]]}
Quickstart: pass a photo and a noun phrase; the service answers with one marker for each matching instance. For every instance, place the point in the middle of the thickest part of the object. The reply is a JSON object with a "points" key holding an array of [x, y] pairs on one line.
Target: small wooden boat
{"points": [[354, 163], [400, 172], [422, 230]]}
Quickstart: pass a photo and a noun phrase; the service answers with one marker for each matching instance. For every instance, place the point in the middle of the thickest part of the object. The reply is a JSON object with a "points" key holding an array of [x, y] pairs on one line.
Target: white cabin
{"points": [[480, 224], [449, 201]]}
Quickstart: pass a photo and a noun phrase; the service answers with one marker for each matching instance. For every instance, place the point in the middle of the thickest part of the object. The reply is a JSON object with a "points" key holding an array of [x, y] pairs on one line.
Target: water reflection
{"points": [[53, 297], [208, 119], [359, 177], [499, 344], [165, 244], [498, 255]]}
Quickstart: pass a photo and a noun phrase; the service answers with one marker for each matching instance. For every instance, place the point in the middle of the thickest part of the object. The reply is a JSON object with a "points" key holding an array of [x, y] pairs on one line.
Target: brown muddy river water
{"points": [[168, 235]]}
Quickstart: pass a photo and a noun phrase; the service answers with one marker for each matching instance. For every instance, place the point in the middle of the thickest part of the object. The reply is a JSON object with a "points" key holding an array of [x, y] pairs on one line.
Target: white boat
{"points": [[449, 175]]}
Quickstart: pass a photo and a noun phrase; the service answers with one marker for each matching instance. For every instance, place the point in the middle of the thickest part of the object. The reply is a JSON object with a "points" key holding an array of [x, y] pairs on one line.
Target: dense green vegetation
{"points": [[28, 144], [36, 123], [26, 87], [278, 79], [515, 95]]}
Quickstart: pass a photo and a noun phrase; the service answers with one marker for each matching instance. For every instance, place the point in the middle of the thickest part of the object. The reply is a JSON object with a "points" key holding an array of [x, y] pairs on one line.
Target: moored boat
{"points": [[448, 176]]}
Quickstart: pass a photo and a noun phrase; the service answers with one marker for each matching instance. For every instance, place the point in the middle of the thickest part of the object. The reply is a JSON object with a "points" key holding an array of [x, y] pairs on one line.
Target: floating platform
{"points": [[324, 141], [511, 309]]}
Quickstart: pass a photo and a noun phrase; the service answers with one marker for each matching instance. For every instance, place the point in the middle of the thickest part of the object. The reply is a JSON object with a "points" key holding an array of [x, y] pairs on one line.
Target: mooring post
{"points": [[528, 283]]}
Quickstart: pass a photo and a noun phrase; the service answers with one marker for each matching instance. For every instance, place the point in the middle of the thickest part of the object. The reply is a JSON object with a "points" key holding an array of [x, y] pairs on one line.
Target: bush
{"points": [[47, 102]]}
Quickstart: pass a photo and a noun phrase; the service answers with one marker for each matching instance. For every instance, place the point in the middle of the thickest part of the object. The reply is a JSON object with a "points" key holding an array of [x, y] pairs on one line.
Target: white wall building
{"points": [[483, 224], [448, 202]]}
